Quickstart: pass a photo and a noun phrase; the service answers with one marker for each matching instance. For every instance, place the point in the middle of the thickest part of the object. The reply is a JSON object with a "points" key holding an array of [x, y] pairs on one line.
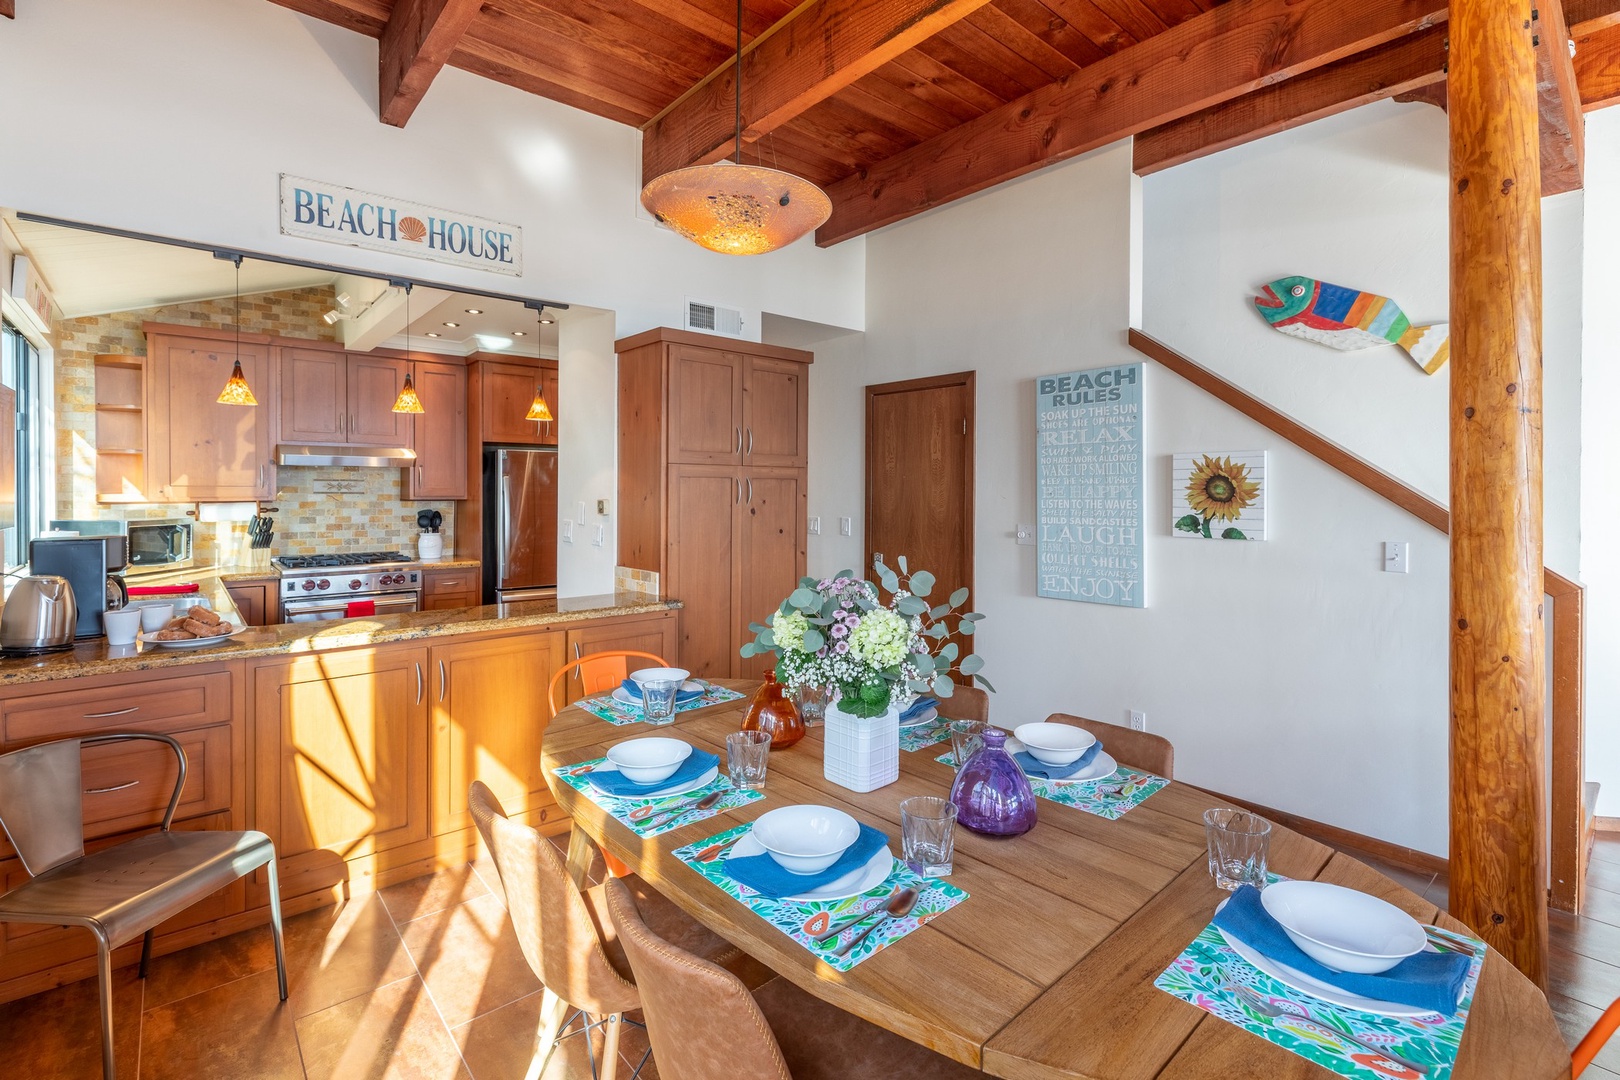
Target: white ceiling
{"points": [[507, 319]]}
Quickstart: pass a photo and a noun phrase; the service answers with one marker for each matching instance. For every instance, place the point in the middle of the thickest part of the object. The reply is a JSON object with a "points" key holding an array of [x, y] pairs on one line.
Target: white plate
{"points": [[927, 716], [1302, 982], [1103, 765], [702, 780], [191, 643], [857, 881], [623, 697]]}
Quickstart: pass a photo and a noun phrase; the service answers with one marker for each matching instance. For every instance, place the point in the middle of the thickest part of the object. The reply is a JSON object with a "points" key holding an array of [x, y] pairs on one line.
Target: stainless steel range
{"points": [[318, 587]]}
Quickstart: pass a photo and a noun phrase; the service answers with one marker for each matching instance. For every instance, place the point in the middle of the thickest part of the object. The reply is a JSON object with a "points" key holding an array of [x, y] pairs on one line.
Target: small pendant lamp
{"points": [[237, 391], [733, 208], [538, 409], [408, 401]]}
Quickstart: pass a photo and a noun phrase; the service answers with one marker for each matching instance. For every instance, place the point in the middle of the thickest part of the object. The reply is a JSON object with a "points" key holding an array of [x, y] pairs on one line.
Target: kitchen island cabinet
{"points": [[451, 587]]}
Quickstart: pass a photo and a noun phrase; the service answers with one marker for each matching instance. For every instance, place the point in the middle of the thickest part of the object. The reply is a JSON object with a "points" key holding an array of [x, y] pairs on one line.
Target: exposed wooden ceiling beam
{"points": [[1223, 53], [1597, 64], [819, 49], [1563, 129], [8, 8], [1409, 64], [366, 17], [419, 38]]}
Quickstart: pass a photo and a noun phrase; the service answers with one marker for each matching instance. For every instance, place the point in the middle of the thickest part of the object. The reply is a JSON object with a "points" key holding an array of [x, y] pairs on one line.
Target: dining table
{"points": [[1047, 970]]}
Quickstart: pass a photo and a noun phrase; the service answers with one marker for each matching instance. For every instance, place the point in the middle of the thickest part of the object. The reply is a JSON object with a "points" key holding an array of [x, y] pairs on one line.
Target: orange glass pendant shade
{"points": [[408, 401], [737, 209], [772, 713], [538, 409], [237, 391]]}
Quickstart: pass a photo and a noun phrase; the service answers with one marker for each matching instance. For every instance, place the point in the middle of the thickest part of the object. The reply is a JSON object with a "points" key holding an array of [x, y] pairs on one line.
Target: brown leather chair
{"points": [[122, 892], [568, 938], [965, 703], [1138, 749], [703, 1022]]}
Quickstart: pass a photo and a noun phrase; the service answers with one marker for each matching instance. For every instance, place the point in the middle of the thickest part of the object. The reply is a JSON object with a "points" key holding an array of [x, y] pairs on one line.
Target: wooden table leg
{"points": [[581, 853]]}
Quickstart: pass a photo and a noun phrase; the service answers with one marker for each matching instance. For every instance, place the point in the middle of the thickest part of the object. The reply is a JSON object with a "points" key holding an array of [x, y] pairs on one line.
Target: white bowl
{"points": [[806, 839], [1343, 928], [647, 761], [1055, 744], [660, 674]]}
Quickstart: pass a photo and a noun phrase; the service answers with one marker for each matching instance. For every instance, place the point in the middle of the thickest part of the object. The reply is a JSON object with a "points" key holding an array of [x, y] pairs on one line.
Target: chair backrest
{"points": [[965, 703], [599, 672], [554, 927], [701, 1019], [41, 804], [1137, 749]]}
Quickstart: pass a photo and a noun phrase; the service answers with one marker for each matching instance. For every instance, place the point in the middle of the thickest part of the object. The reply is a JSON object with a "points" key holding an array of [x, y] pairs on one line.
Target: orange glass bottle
{"points": [[773, 713]]}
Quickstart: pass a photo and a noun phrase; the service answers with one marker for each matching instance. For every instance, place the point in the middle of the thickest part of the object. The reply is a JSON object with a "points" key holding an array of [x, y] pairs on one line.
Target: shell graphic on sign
{"points": [[412, 229], [1219, 496]]}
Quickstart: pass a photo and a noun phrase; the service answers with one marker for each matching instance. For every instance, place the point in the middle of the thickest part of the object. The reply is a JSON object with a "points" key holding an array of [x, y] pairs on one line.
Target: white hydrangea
{"points": [[789, 629], [880, 638]]}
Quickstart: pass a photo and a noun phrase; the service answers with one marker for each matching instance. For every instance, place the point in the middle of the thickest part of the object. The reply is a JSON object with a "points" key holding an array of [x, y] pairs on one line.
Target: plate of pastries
{"points": [[196, 628]]}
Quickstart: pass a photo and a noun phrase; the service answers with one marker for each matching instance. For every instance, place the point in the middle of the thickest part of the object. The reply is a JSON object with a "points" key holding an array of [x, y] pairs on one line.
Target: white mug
{"points": [[430, 545], [155, 616], [121, 625]]}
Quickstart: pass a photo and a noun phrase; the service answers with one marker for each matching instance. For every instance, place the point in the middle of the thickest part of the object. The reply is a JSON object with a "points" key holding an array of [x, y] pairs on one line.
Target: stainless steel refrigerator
{"points": [[520, 524]]}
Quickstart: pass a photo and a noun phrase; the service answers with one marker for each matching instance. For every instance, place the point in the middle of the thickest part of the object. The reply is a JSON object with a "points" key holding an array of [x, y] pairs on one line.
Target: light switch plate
{"points": [[580, 516], [568, 531], [813, 526], [845, 526], [1025, 535], [1397, 556]]}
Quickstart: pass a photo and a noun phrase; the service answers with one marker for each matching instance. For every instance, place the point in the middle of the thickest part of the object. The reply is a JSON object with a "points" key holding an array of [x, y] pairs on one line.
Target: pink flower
{"points": [[840, 647], [839, 630]]}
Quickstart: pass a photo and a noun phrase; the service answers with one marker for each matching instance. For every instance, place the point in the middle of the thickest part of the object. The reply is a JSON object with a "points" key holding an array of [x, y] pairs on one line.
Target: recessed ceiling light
{"points": [[432, 334], [473, 311], [520, 333], [547, 322], [452, 324]]}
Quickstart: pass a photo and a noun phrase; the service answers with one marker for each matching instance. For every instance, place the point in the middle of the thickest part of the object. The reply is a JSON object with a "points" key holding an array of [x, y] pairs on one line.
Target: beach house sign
{"points": [[317, 210]]}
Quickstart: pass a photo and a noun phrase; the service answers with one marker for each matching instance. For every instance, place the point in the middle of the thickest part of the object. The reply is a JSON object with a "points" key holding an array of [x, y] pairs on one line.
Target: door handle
{"points": [[418, 667], [261, 474], [738, 448], [750, 491], [115, 712], [443, 681], [750, 442], [115, 787], [737, 498]]}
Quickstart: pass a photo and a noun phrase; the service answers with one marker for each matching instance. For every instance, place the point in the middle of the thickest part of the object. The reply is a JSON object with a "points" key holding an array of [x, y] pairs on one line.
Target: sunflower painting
{"points": [[1219, 496]]}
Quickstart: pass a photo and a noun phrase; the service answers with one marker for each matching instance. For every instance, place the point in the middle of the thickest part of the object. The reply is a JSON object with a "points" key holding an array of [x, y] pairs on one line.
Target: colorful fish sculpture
{"points": [[1348, 319]]}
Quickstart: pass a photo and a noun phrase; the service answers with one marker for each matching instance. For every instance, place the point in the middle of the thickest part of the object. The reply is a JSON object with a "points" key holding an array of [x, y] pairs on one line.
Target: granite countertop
{"points": [[96, 657]]}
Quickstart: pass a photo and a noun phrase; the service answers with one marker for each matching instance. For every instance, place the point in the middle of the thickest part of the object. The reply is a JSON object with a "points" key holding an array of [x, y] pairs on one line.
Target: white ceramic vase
{"points": [[429, 546], [861, 754]]}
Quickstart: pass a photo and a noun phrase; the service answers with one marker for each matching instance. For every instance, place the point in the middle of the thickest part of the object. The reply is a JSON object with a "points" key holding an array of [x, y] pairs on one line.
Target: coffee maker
{"points": [[93, 566]]}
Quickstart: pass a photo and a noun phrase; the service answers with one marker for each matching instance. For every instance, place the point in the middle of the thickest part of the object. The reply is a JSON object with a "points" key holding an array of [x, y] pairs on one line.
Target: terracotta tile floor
{"points": [[424, 981]]}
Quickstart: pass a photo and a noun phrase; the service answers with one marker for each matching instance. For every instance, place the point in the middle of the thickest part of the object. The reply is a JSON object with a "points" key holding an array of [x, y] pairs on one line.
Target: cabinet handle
{"points": [[115, 712], [750, 442], [577, 676], [750, 491], [443, 681], [418, 668], [115, 787], [737, 498], [738, 448]]}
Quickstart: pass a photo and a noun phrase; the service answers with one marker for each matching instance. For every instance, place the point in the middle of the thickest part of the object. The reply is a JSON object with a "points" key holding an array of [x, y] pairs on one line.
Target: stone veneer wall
{"points": [[374, 519]]}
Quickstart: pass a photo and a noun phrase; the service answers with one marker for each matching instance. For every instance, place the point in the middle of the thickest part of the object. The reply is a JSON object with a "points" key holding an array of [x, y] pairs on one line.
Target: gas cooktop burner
{"points": [[349, 558]]}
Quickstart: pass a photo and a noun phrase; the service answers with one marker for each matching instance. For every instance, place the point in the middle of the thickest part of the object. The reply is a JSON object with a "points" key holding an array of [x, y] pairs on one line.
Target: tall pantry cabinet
{"points": [[713, 448]]}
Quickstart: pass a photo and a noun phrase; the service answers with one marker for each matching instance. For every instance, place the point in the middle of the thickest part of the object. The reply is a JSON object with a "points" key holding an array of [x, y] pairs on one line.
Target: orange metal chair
{"points": [[599, 672], [1588, 1047]]}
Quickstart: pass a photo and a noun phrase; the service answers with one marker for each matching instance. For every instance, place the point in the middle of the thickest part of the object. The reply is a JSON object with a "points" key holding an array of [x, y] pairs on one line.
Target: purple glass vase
{"points": [[991, 793]]}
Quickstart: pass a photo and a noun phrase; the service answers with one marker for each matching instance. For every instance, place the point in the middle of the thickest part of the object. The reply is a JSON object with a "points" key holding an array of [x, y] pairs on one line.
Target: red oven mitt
{"points": [[359, 607]]}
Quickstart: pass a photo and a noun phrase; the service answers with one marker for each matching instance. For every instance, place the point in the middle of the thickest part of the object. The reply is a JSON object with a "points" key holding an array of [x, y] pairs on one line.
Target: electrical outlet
{"points": [[1138, 720], [813, 526], [846, 526], [602, 507], [1397, 556]]}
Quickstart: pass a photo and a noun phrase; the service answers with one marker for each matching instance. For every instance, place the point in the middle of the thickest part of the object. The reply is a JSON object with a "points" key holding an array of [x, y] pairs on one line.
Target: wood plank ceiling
{"points": [[894, 106]]}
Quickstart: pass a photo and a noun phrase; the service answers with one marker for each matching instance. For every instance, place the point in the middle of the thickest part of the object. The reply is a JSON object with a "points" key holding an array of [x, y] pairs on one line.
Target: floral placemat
{"points": [[803, 921], [651, 817], [1210, 975], [1112, 796], [618, 713], [922, 736]]}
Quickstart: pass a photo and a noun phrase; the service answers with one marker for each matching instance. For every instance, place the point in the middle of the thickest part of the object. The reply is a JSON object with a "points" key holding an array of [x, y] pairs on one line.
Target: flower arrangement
{"points": [[834, 632]]}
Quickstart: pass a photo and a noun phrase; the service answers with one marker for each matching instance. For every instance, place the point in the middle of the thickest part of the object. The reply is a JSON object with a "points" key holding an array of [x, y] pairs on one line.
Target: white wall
{"points": [[587, 470]]}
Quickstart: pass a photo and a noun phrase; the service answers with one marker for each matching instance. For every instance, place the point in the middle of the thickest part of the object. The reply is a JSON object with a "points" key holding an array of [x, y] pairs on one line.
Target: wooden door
{"points": [[776, 413], [705, 406], [439, 433], [508, 391], [771, 553], [489, 715], [313, 390], [254, 601], [374, 383], [704, 503], [919, 477], [654, 634], [197, 448], [340, 759]]}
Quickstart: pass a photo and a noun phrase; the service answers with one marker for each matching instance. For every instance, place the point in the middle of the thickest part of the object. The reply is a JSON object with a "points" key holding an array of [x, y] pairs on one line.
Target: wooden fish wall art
{"points": [[1348, 319]]}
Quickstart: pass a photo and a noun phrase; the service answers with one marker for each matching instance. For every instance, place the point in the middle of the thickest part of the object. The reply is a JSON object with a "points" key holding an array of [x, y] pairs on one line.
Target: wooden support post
{"points": [[1498, 792]]}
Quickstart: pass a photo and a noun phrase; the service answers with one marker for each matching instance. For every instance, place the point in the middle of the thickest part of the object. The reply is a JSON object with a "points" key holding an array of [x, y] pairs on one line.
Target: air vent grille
{"points": [[713, 319]]}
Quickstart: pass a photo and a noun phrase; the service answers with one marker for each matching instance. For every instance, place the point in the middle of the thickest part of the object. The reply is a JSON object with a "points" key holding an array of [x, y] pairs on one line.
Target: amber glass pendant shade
{"points": [[538, 409], [408, 401], [772, 713], [737, 209], [237, 391]]}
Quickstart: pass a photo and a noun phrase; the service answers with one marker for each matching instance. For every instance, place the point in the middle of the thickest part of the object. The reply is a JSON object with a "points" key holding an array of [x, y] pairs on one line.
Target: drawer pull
{"points": [[115, 712], [115, 787]]}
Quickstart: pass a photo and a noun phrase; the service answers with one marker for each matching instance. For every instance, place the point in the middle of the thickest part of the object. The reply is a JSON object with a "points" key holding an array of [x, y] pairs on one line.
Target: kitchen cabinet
{"points": [[258, 602], [728, 407], [452, 587], [656, 634], [439, 433], [340, 746], [198, 450], [332, 397], [504, 390], [489, 715]]}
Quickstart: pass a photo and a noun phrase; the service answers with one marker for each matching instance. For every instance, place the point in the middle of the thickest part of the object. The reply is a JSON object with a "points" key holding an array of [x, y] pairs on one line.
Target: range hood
{"points": [[370, 457]]}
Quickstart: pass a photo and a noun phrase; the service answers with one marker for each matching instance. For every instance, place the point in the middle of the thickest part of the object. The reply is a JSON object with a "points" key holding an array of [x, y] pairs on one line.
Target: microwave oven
{"points": [[159, 544]]}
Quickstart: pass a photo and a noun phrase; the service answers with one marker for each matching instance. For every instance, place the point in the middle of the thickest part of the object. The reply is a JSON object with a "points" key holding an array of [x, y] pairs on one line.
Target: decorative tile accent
{"points": [[643, 583]]}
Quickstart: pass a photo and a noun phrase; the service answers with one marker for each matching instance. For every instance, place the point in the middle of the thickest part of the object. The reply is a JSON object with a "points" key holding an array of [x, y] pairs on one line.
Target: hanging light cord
{"points": [[739, 81], [238, 262]]}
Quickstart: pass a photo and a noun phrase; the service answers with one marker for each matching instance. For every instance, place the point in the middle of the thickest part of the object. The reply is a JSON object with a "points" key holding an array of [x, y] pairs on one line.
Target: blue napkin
{"points": [[916, 708], [631, 688], [613, 782], [1428, 980], [1034, 766], [764, 875]]}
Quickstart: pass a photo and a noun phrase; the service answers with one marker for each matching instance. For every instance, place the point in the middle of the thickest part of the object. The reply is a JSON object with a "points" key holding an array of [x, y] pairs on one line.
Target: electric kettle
{"points": [[38, 616]]}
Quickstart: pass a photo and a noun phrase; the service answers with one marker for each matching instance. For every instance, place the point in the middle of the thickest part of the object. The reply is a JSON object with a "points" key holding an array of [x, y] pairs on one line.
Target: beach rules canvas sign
{"points": [[1089, 479]]}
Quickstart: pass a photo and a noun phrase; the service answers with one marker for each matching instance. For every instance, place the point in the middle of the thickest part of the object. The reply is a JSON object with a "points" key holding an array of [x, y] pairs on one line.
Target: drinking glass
{"points": [[967, 738], [747, 755], [928, 834], [812, 702], [1238, 843], [658, 700]]}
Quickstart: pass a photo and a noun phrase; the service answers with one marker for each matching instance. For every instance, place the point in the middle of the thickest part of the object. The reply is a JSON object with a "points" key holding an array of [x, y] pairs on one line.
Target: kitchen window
{"points": [[21, 484]]}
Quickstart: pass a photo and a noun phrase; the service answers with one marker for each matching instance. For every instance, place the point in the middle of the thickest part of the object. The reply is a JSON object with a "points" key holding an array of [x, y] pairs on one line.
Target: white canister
{"points": [[430, 545], [862, 754]]}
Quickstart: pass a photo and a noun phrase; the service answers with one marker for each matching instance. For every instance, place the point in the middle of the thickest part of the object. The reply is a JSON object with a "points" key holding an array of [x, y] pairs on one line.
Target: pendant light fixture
{"points": [[408, 401], [733, 208], [236, 391], [538, 409]]}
